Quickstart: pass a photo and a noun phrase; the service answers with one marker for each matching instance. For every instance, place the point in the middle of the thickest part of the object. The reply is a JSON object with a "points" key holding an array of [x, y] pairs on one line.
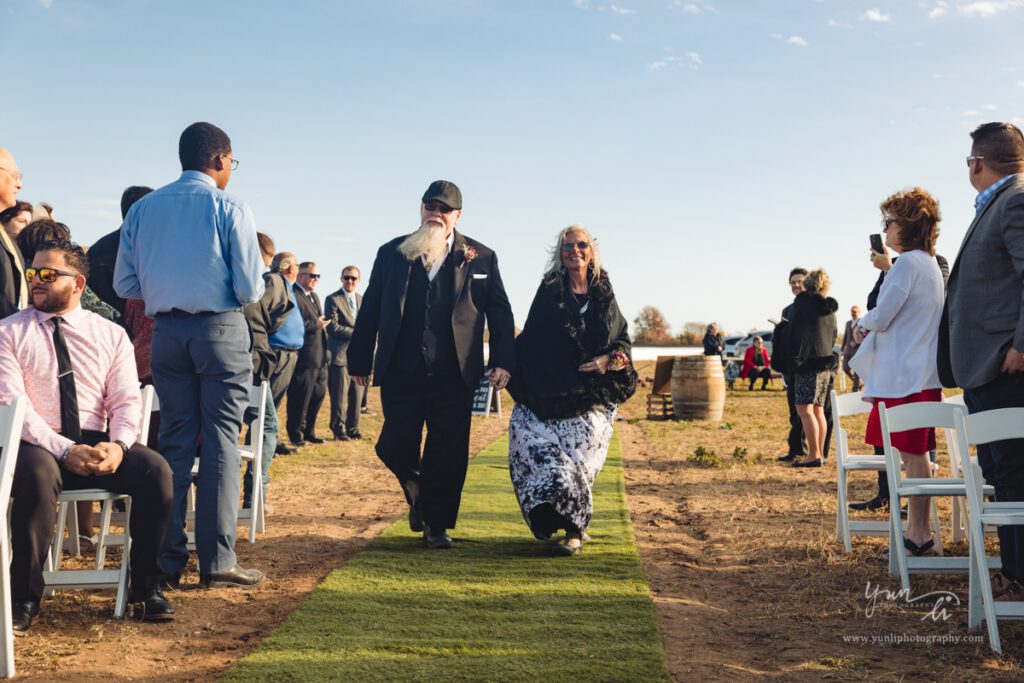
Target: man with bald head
{"points": [[13, 294]]}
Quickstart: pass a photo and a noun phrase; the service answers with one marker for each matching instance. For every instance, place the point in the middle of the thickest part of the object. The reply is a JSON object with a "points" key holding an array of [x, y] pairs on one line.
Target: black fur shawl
{"points": [[557, 339]]}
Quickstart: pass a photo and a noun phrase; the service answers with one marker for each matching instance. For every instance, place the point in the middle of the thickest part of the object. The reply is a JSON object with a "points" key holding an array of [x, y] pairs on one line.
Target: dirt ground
{"points": [[741, 557]]}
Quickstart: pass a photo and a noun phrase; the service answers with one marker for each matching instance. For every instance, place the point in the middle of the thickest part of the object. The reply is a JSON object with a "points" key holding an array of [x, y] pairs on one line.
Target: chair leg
{"points": [[74, 544], [121, 602], [843, 511], [936, 527], [101, 545], [959, 515], [57, 547]]}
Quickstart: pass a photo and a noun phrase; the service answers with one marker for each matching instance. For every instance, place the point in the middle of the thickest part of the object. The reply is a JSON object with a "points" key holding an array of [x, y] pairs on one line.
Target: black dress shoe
{"points": [[171, 581], [415, 520], [876, 503], [807, 463], [786, 458], [236, 577], [314, 439], [436, 540], [152, 607], [22, 614], [282, 449], [340, 436], [355, 434]]}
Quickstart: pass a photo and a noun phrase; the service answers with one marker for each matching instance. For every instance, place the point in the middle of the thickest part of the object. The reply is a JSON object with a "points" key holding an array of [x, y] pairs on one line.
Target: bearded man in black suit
{"points": [[424, 309], [308, 387]]}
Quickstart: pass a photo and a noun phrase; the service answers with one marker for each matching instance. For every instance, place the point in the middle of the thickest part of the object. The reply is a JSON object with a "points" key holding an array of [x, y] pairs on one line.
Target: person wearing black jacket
{"points": [[13, 289], [103, 254], [424, 310], [308, 387], [572, 371], [812, 359]]}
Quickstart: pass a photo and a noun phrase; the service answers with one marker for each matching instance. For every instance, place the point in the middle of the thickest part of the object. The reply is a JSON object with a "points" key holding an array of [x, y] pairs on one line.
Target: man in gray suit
{"points": [[346, 396], [981, 345]]}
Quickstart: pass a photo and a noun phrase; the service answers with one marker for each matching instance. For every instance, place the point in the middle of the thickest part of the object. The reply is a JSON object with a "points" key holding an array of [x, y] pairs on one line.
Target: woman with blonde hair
{"points": [[572, 371], [813, 337]]}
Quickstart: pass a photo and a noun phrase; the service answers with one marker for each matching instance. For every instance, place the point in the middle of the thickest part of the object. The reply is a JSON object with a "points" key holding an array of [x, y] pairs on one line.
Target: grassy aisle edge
{"points": [[497, 607]]}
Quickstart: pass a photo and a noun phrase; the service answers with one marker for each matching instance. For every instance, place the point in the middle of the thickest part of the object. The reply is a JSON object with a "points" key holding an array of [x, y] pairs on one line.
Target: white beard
{"points": [[427, 243]]}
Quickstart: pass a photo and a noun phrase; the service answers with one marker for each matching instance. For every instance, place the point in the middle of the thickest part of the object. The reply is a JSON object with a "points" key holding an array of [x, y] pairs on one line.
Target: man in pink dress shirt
{"points": [[78, 372]]}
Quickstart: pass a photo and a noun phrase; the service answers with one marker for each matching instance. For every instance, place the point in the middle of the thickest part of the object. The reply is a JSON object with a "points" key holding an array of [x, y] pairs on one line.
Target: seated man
{"points": [[78, 372], [757, 364]]}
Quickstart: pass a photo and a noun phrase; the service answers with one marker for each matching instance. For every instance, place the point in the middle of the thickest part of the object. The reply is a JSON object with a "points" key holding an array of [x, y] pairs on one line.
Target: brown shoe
{"points": [[1014, 592]]}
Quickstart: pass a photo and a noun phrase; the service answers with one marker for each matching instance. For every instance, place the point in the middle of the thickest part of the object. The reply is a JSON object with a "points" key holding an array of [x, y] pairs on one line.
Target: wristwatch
{"points": [[63, 457], [124, 448]]}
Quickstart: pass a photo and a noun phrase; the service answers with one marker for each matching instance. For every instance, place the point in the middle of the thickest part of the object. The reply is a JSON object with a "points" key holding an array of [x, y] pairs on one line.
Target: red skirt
{"points": [[910, 441]]}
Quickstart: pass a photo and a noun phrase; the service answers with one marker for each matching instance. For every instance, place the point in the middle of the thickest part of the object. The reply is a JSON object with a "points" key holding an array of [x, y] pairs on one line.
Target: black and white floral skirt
{"points": [[556, 461]]}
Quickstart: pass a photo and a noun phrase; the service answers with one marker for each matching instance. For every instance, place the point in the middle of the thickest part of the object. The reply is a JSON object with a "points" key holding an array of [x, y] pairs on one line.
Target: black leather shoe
{"points": [[876, 503], [153, 607], [355, 434], [171, 581], [436, 540], [340, 436], [415, 520], [236, 577], [314, 439], [282, 449], [806, 463], [786, 458], [22, 614]]}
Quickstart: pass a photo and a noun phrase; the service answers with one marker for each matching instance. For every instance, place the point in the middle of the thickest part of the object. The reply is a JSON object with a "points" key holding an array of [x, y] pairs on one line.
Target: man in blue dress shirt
{"points": [[190, 251]]}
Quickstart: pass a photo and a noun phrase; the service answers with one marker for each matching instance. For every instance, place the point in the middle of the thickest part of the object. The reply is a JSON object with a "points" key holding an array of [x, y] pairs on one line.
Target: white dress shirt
{"points": [[897, 357], [436, 267]]}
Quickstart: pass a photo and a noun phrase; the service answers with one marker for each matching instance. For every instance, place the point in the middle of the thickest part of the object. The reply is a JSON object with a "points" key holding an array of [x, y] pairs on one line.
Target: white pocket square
{"points": [[479, 276]]}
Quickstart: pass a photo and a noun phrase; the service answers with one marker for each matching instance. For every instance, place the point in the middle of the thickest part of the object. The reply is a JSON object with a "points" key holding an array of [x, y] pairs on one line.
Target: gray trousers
{"points": [[346, 399], [202, 369]]}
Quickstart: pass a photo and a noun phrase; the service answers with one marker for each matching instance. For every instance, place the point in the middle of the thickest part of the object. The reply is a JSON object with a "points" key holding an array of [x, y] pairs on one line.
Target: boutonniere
{"points": [[467, 256]]}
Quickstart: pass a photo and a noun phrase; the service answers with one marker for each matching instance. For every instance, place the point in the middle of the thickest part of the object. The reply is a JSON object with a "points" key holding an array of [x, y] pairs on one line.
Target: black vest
{"points": [[426, 332]]}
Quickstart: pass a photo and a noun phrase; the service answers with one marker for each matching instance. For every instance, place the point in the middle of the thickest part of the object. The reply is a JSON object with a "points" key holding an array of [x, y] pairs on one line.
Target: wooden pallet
{"points": [[659, 407]]}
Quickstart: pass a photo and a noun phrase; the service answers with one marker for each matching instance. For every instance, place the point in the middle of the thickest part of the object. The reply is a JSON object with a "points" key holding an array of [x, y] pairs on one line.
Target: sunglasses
{"points": [[47, 275], [437, 206], [569, 246], [350, 278], [312, 276]]}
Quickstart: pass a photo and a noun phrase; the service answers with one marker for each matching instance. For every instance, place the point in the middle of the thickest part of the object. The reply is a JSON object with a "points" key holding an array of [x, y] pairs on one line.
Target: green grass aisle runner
{"points": [[497, 607]]}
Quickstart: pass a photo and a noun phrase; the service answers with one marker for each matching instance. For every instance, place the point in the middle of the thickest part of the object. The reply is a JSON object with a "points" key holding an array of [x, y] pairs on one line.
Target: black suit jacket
{"points": [[313, 353], [342, 321], [265, 317], [102, 257], [478, 293], [12, 281]]}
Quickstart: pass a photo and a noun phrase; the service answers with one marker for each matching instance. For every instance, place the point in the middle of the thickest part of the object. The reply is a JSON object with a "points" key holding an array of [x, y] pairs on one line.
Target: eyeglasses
{"points": [[973, 158], [437, 206], [886, 222], [17, 176], [350, 278], [47, 275], [312, 276], [567, 247], [234, 162]]}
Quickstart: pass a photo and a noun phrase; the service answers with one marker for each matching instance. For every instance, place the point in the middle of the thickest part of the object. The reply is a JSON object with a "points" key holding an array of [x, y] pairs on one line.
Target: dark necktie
{"points": [[69, 421]]}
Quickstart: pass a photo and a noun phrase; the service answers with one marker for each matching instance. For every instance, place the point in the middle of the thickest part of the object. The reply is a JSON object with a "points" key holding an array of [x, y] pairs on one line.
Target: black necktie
{"points": [[69, 421]]}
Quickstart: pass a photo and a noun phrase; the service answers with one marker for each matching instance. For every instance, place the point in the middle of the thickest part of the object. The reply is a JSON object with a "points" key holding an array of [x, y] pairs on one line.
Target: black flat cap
{"points": [[445, 192]]}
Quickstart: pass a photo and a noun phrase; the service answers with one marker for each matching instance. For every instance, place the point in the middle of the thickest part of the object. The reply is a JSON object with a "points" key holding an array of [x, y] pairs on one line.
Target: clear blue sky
{"points": [[709, 146]]}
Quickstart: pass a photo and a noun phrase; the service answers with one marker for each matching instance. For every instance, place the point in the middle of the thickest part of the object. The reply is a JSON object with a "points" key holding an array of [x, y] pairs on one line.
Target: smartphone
{"points": [[876, 243]]}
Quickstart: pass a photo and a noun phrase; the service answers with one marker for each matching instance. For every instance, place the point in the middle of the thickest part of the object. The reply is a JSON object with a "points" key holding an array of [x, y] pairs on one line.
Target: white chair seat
{"points": [[865, 462]]}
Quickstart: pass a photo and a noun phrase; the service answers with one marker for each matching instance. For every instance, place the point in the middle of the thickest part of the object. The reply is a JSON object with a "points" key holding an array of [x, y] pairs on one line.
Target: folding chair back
{"points": [[255, 513], [12, 417], [845, 405]]}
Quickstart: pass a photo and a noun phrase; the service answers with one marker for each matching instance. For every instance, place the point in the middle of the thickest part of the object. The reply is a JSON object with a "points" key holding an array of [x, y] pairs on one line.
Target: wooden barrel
{"points": [[698, 388]]}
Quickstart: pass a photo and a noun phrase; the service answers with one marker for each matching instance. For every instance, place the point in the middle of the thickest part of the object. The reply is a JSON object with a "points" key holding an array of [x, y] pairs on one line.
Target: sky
{"points": [[708, 146]]}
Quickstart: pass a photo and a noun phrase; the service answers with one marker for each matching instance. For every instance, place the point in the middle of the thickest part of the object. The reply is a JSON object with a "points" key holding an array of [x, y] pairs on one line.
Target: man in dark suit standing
{"points": [[424, 309], [981, 339], [13, 290], [309, 382], [103, 254], [346, 397]]}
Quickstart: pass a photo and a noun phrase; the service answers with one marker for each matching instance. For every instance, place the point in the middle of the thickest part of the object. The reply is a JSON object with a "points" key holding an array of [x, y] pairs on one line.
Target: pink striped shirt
{"points": [[102, 358]]}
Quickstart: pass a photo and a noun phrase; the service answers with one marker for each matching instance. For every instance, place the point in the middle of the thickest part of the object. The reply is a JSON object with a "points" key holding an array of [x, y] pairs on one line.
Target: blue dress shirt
{"points": [[982, 199], [189, 246]]}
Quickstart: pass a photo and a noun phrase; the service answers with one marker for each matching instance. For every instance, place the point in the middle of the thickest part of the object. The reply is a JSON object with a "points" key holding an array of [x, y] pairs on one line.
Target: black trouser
{"points": [[284, 368], [1002, 463], [764, 373], [797, 442], [346, 399], [305, 396], [444, 403], [39, 479]]}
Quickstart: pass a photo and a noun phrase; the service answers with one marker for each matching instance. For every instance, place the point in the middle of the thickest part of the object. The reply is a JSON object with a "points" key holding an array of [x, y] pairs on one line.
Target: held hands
{"points": [[882, 260], [498, 377], [859, 333], [361, 380], [321, 322], [1013, 363], [83, 460], [599, 364]]}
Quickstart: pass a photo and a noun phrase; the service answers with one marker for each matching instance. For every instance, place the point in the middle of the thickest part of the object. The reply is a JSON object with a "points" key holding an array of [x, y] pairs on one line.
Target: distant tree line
{"points": [[651, 328]]}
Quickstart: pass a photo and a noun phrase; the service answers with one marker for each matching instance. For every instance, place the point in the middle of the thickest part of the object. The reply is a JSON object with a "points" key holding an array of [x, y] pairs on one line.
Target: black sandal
{"points": [[926, 549]]}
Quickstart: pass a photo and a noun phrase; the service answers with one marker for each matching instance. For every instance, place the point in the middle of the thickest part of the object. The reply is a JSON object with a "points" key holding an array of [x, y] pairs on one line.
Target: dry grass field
{"points": [[750, 583]]}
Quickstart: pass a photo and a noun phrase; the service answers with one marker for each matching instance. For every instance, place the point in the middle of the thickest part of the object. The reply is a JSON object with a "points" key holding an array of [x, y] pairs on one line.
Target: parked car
{"points": [[730, 345], [748, 341]]}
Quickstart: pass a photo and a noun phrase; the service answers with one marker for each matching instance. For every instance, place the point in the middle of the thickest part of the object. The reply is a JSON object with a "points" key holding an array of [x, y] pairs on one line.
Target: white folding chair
{"points": [[972, 430], [11, 418], [255, 514], [899, 419], [845, 405], [955, 458]]}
